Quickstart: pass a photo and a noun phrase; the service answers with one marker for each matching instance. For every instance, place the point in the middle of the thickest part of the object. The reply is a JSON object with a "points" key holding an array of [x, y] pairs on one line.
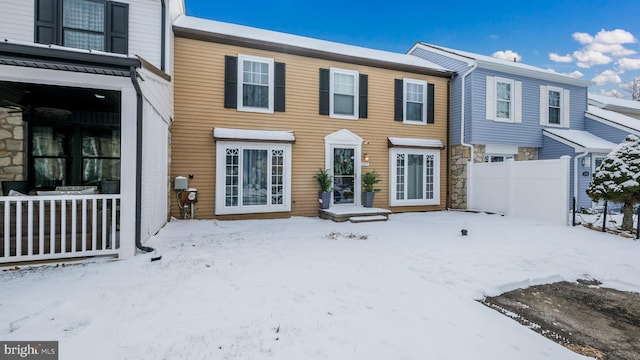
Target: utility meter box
{"points": [[189, 196], [181, 183]]}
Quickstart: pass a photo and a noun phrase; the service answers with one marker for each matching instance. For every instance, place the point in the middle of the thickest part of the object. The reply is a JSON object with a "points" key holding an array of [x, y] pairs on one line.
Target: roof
{"points": [[581, 141], [517, 68], [416, 143], [216, 31], [620, 121], [220, 134], [609, 102]]}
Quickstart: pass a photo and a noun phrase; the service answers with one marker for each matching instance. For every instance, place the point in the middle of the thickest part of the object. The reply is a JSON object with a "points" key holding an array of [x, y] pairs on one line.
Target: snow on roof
{"points": [[627, 122], [580, 140], [68, 49], [211, 26], [511, 66], [413, 142], [241, 134], [603, 101]]}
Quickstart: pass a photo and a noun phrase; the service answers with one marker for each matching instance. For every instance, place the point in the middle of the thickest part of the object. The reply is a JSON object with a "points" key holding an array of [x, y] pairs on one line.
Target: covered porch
{"points": [[67, 154]]}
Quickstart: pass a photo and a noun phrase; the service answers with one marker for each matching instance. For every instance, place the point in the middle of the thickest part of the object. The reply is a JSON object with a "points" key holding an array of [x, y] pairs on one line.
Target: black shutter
{"points": [[117, 28], [324, 91], [363, 102], [46, 22], [279, 92], [398, 100], [430, 116], [231, 82]]}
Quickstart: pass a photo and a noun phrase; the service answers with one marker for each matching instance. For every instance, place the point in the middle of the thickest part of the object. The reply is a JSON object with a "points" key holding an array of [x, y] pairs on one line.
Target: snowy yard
{"points": [[305, 288]]}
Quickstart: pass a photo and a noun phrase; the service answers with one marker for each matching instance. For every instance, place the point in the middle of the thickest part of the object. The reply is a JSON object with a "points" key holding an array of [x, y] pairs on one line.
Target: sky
{"points": [[594, 40]]}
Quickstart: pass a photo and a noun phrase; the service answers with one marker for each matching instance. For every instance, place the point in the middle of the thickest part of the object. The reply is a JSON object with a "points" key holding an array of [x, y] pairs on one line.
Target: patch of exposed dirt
{"points": [[591, 320]]}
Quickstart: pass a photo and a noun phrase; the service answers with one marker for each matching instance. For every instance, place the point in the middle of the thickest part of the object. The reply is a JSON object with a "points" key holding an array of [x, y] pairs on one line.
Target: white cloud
{"points": [[607, 77], [625, 64], [617, 36], [560, 58], [613, 49], [507, 55], [588, 58], [583, 38], [612, 93], [576, 74]]}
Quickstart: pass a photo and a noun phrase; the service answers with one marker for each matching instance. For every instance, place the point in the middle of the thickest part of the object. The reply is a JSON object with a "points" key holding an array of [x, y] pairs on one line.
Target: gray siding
{"points": [[16, 20], [529, 132], [444, 61], [604, 131]]}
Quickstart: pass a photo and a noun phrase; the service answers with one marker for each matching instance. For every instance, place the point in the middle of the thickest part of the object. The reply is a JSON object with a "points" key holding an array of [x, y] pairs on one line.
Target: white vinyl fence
{"points": [[536, 189]]}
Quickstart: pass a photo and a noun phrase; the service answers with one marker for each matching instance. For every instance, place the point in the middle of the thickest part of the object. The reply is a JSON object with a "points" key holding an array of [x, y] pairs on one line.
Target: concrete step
{"points": [[369, 218]]}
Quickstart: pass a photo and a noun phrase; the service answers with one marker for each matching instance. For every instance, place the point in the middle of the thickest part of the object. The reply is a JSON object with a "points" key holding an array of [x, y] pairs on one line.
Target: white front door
{"points": [[345, 175], [597, 160]]}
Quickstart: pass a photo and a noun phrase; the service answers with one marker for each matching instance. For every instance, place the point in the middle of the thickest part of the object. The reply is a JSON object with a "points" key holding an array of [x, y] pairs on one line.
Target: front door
{"points": [[344, 175]]}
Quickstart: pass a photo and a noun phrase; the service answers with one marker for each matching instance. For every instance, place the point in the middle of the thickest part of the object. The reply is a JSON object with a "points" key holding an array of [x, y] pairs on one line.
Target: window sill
{"points": [[252, 209], [255, 110], [414, 122], [509, 121], [343, 117]]}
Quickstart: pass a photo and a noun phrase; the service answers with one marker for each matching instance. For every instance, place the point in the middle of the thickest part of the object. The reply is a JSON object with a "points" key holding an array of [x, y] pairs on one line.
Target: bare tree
{"points": [[632, 88]]}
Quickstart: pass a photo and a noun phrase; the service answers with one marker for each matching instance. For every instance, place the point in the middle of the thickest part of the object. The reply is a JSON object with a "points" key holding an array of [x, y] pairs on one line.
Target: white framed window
{"points": [[255, 84], [252, 177], [492, 158], [343, 93], [503, 99], [415, 177], [554, 106], [415, 101]]}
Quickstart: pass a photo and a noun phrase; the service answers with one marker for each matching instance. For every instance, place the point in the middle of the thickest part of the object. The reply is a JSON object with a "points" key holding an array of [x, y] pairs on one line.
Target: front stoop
{"points": [[354, 214]]}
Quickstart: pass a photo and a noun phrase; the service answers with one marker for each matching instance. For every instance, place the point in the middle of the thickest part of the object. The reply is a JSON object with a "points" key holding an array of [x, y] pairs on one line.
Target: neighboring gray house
{"points": [[508, 110]]}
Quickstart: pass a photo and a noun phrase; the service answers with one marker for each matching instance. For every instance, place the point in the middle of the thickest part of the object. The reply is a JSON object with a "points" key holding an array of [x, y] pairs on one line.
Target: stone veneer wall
{"points": [[12, 145], [460, 156]]}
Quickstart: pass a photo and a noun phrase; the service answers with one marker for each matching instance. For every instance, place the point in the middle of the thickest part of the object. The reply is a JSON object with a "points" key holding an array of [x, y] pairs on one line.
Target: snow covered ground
{"points": [[305, 288]]}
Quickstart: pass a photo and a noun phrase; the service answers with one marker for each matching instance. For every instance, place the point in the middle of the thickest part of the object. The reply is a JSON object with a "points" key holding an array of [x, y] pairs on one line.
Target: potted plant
{"points": [[325, 181], [369, 180]]}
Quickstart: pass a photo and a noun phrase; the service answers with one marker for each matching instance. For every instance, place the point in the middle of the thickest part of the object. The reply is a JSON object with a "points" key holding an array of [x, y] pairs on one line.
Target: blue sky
{"points": [[594, 40]]}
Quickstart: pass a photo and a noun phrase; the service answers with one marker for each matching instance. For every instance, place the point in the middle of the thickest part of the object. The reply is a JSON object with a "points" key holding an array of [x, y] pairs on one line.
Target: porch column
{"points": [[128, 173]]}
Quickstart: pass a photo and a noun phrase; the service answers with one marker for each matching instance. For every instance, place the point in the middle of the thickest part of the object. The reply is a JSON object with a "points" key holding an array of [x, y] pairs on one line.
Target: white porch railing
{"points": [[58, 226]]}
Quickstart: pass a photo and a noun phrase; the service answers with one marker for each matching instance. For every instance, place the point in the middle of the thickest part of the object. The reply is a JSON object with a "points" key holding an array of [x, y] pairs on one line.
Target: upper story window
{"points": [[414, 101], [255, 84], [84, 24], [343, 93], [503, 99], [554, 106]]}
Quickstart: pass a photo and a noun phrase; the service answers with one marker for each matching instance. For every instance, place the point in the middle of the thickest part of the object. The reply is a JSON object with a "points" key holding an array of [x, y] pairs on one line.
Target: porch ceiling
{"points": [[35, 97]]}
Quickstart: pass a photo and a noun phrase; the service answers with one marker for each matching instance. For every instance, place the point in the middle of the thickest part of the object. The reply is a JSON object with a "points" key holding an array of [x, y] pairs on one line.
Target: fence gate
{"points": [[537, 189]]}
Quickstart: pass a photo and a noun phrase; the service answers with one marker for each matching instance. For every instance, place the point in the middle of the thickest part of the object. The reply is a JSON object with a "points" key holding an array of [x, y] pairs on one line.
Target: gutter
{"points": [[139, 100]]}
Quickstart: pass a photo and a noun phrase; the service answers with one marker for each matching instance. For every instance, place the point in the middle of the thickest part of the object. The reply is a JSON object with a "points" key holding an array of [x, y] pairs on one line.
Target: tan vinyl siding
{"points": [[199, 96]]}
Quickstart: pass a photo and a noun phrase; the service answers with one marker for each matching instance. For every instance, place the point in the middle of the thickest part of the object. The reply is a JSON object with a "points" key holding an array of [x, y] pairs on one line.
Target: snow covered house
{"points": [[258, 113], [85, 108], [508, 110]]}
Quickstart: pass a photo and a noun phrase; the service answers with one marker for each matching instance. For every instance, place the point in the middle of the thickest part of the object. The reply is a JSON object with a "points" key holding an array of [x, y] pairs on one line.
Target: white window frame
{"points": [[221, 151], [405, 100], [394, 173], [488, 157], [512, 94], [270, 62], [356, 95], [560, 91], [565, 98]]}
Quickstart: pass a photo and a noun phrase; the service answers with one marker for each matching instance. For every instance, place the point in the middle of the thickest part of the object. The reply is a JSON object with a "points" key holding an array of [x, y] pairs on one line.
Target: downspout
{"points": [[462, 97], [448, 147], [575, 174], [136, 85], [163, 36]]}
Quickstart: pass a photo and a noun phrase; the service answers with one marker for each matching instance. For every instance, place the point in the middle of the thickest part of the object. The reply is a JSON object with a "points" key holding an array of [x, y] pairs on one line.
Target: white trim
{"points": [[613, 124], [416, 142], [356, 95], [501, 149], [517, 102], [263, 135], [578, 147], [565, 99], [490, 96], [220, 206], [393, 177], [405, 82], [270, 63]]}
